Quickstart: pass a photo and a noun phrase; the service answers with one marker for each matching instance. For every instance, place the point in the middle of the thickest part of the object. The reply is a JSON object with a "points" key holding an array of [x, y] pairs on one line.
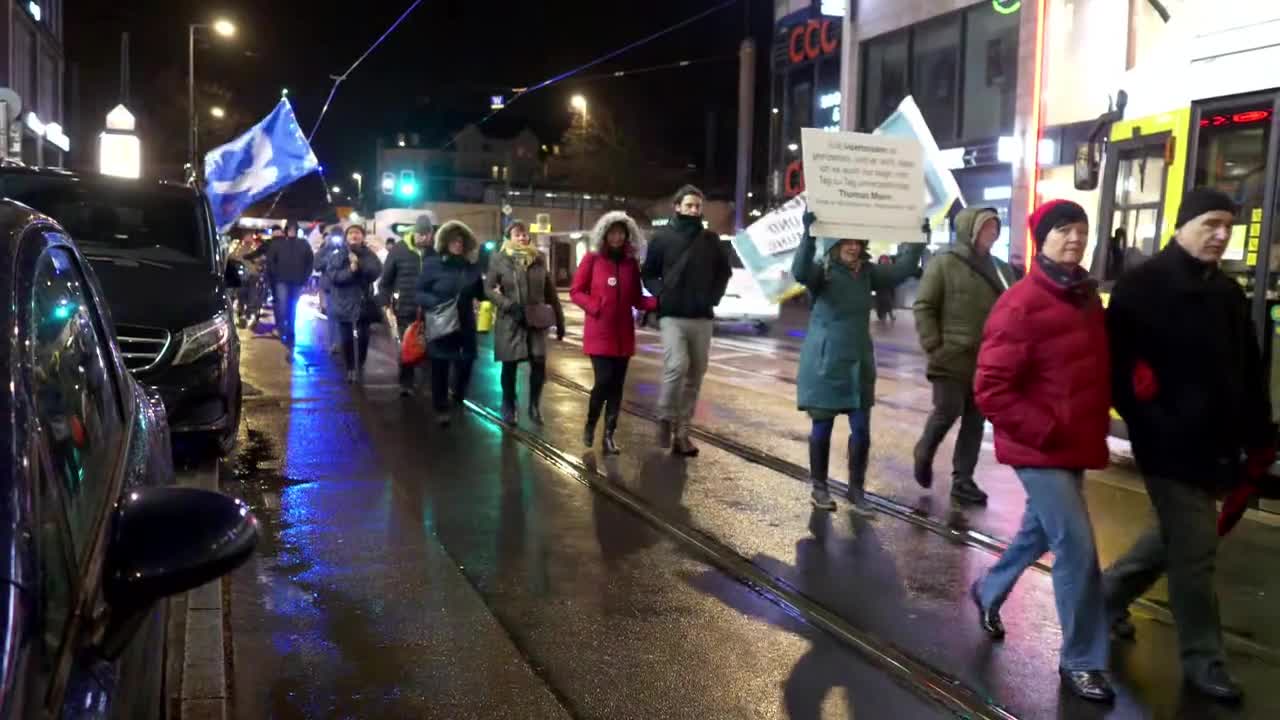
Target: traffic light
{"points": [[408, 188], [490, 245], [388, 183]]}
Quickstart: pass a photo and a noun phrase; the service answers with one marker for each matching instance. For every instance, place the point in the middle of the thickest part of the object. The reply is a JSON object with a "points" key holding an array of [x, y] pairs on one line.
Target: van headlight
{"points": [[200, 340]]}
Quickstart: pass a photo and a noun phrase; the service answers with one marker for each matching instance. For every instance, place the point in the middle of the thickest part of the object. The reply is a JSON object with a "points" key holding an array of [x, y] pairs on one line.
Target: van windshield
{"points": [[118, 220]]}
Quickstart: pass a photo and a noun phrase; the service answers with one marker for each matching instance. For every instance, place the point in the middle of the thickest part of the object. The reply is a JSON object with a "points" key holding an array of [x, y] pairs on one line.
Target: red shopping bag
{"points": [[413, 348]]}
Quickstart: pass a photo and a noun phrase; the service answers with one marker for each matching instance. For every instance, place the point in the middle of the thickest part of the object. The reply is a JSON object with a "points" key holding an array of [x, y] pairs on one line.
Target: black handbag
{"points": [[442, 320]]}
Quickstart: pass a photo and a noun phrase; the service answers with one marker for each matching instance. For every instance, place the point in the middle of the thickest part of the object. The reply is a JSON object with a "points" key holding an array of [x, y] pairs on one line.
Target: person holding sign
{"points": [[837, 372], [1044, 380]]}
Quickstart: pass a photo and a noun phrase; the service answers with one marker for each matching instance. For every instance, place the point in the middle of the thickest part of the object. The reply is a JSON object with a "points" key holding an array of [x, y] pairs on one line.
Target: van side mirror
{"points": [[167, 540], [233, 276], [1087, 166]]}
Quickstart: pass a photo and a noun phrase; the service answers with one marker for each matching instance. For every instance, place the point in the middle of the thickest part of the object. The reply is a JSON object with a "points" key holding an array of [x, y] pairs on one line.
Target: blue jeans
{"points": [[286, 310], [859, 448], [1057, 519]]}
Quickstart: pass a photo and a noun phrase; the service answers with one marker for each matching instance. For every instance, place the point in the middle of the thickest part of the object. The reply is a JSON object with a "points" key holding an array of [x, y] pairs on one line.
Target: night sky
{"points": [[433, 74]]}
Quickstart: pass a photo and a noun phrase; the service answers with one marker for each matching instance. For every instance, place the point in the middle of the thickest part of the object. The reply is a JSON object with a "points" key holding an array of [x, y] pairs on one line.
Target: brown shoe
{"points": [[664, 434]]}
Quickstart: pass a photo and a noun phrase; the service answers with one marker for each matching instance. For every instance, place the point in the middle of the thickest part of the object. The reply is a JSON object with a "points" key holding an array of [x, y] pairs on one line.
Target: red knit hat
{"points": [[1052, 214]]}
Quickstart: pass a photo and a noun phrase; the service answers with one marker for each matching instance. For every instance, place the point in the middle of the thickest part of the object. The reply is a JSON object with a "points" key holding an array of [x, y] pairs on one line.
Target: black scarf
{"points": [[1076, 280]]}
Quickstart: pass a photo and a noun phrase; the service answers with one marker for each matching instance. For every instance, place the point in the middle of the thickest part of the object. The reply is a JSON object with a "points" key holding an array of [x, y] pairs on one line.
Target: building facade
{"points": [[33, 66], [409, 174]]}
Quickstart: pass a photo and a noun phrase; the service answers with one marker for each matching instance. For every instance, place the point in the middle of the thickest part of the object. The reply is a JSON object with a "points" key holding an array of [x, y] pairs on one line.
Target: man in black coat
{"points": [[1188, 380], [289, 265], [399, 281], [688, 271]]}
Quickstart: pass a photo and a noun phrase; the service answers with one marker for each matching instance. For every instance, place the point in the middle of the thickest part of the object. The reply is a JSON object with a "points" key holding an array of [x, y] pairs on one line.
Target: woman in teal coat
{"points": [[837, 373]]}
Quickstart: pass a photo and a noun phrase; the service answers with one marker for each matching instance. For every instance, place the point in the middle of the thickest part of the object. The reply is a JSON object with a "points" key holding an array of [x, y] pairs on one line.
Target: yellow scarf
{"points": [[525, 254]]}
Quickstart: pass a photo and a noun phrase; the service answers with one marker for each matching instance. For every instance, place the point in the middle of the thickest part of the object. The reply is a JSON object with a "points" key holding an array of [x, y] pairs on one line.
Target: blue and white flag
{"points": [[268, 157]]}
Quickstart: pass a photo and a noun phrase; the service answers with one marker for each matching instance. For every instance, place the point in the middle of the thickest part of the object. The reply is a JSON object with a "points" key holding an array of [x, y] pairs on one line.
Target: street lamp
{"points": [[359, 183], [337, 190], [579, 103], [217, 112], [222, 27]]}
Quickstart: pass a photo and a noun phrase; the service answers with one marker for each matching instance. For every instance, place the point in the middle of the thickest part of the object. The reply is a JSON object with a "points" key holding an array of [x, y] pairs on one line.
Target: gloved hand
{"points": [[560, 334], [1233, 507], [1258, 462], [1145, 386], [809, 219]]}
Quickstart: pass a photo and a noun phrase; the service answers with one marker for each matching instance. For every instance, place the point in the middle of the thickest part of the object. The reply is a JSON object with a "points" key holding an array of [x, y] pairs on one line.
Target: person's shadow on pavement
{"points": [[826, 666]]}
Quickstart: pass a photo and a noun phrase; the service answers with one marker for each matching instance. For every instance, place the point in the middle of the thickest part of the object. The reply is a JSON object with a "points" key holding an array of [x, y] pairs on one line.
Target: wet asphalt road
{"points": [[408, 573], [411, 572]]}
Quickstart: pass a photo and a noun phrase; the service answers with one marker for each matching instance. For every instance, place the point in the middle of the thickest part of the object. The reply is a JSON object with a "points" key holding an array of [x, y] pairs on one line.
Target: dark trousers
{"points": [[406, 371], [537, 378], [606, 393], [441, 384], [953, 400], [859, 449], [286, 311], [355, 343], [1183, 543]]}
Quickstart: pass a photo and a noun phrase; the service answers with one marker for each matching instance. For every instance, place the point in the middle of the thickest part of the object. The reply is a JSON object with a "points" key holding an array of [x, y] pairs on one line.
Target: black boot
{"points": [[859, 455], [819, 460], [589, 432], [610, 425], [535, 405]]}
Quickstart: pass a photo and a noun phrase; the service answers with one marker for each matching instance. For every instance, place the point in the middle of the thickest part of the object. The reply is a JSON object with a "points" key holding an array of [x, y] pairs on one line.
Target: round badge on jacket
{"points": [[613, 281]]}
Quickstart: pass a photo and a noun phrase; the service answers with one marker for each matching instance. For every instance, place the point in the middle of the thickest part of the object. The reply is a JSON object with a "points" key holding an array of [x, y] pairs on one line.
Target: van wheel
{"points": [[762, 327]]}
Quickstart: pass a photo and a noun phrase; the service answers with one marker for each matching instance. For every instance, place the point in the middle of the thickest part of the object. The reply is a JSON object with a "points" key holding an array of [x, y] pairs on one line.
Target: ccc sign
{"points": [[813, 40]]}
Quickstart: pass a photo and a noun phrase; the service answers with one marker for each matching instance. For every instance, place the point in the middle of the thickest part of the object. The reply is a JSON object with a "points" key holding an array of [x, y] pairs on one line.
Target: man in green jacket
{"points": [[958, 290]]}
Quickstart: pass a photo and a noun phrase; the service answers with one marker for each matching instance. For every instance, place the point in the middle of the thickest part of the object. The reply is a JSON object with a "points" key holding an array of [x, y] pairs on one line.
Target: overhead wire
{"points": [[333, 90], [602, 59]]}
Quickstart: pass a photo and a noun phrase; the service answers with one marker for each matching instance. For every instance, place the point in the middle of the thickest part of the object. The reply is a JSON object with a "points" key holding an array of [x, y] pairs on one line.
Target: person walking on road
{"points": [[1190, 385], [837, 370], [289, 263], [451, 273], [607, 287], [885, 299], [399, 282], [333, 244], [1044, 379], [522, 289], [956, 295], [688, 271], [351, 275]]}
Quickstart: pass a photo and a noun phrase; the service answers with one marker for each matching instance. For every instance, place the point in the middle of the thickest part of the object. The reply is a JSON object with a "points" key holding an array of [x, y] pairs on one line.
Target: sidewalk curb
{"points": [[201, 660]]}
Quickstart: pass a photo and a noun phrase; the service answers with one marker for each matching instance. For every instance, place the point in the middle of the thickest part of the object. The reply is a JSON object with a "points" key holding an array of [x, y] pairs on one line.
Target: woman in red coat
{"points": [[607, 286], [1044, 381]]}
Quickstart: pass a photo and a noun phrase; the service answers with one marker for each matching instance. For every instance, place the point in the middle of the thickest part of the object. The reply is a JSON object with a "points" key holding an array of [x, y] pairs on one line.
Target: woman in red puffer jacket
{"points": [[607, 286], [1044, 381]]}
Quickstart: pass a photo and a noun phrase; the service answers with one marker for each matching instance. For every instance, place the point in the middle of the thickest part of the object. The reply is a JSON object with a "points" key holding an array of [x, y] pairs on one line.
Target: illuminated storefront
{"points": [[805, 88]]}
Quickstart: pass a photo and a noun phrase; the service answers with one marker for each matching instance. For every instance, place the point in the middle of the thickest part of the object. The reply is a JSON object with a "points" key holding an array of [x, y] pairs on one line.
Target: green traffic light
{"points": [[489, 245], [408, 190]]}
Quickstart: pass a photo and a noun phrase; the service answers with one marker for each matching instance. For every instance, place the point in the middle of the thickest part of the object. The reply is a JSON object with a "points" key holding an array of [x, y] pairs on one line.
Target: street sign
{"points": [[506, 210]]}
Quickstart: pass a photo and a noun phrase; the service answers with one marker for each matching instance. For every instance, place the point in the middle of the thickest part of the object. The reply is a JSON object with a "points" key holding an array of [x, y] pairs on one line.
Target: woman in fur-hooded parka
{"points": [[607, 287]]}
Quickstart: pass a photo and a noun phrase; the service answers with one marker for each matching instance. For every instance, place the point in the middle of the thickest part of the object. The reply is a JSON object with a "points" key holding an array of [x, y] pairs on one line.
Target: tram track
{"points": [[943, 688], [1147, 607]]}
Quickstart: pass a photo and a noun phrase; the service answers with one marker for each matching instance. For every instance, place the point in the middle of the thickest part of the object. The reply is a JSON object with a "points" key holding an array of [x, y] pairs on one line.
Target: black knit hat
{"points": [[1052, 214], [1202, 200]]}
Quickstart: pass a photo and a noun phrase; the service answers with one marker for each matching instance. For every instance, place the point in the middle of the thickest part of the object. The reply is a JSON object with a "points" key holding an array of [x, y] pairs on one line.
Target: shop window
{"points": [[935, 74], [990, 72], [884, 79]]}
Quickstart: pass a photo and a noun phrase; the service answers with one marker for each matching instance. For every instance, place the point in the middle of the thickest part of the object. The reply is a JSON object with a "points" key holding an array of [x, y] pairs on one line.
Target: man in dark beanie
{"points": [[1187, 378], [399, 281]]}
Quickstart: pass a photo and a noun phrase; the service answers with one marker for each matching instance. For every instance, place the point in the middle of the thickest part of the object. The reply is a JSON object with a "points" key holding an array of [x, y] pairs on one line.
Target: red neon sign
{"points": [[794, 179], [1247, 117], [812, 40]]}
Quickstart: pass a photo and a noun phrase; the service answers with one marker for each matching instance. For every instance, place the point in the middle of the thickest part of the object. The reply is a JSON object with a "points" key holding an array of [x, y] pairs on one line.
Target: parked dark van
{"points": [[155, 250]]}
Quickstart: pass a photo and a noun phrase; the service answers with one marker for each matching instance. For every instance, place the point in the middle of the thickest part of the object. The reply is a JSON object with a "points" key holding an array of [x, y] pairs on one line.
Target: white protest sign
{"points": [[864, 186]]}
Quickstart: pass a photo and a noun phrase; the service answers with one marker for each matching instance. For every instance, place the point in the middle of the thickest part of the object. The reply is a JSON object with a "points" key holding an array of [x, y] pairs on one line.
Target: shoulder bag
{"points": [[442, 320]]}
